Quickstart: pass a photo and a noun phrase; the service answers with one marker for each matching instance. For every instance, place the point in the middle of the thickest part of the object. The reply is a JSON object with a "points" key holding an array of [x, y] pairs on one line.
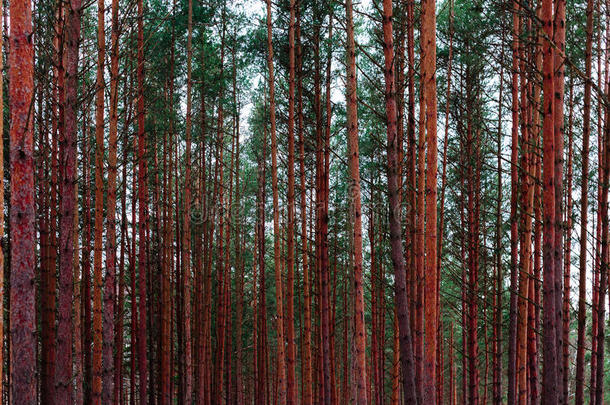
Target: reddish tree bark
{"points": [[306, 342], [549, 374], [23, 289], [186, 224], [397, 254], [356, 209], [99, 212], [281, 356], [291, 384], [142, 213], [63, 376], [428, 80]]}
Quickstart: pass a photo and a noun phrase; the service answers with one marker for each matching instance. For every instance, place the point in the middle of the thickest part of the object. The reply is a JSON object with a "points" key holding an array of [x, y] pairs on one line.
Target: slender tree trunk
{"points": [[142, 214], [99, 212], [549, 374], [109, 287], [584, 186], [428, 80], [291, 384], [397, 254], [514, 241], [559, 30], [498, 279], [356, 210], [63, 377], [281, 356], [306, 342], [186, 228], [567, 256]]}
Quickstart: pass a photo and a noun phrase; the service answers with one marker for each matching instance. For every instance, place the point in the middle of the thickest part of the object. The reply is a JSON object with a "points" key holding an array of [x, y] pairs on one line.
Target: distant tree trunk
{"points": [[86, 265], [306, 342], [498, 279], [514, 238], [568, 255], [261, 390], [77, 394], [48, 280], [23, 289], [63, 377], [356, 210], [281, 356], [289, 320], [99, 213], [2, 215], [109, 314], [397, 254], [603, 269], [549, 374], [186, 227], [142, 213], [584, 196]]}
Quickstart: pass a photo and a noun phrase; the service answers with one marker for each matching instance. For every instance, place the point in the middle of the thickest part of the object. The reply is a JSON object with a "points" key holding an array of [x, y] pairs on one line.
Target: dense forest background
{"points": [[301, 202]]}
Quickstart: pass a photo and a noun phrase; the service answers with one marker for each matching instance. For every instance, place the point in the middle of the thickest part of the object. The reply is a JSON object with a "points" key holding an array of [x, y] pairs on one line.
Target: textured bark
{"points": [[549, 373], [567, 255], [397, 254], [63, 376], [428, 83], [559, 32], [356, 210], [77, 394], [23, 290]]}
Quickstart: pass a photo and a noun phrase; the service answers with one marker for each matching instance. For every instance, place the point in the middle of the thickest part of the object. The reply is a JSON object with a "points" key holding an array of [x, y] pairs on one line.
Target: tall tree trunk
{"points": [[142, 213], [428, 80], [63, 377], [356, 209], [108, 379], [281, 356], [584, 209], [559, 31], [514, 238], [397, 254], [306, 342], [549, 374], [567, 255], [99, 212], [22, 253], [498, 279], [291, 384], [186, 228]]}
